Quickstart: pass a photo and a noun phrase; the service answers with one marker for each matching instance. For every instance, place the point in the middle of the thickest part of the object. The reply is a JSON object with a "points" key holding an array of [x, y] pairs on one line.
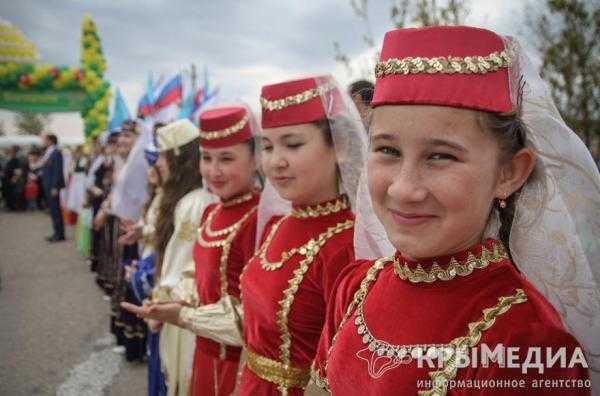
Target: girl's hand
{"points": [[153, 325], [126, 225], [130, 237], [165, 312]]}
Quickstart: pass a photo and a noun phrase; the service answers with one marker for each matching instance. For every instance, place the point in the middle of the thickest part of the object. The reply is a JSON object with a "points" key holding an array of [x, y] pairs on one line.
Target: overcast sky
{"points": [[244, 44]]}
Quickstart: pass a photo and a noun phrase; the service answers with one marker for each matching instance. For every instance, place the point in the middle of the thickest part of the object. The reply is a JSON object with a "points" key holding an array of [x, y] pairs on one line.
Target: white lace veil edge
{"points": [[554, 238]]}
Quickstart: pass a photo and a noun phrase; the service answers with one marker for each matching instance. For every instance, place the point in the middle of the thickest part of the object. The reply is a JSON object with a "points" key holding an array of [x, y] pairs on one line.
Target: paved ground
{"points": [[54, 336]]}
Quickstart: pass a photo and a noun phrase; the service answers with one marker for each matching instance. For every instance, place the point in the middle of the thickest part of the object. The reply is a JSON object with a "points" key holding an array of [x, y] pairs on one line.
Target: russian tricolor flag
{"points": [[170, 93], [145, 106]]}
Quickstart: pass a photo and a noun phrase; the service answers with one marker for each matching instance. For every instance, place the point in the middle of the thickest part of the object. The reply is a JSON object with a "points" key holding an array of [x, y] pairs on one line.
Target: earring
{"points": [[502, 203]]}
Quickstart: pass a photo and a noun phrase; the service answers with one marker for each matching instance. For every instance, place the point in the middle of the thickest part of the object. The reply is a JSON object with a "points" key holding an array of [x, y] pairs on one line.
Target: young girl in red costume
{"points": [[225, 242], [312, 151], [491, 204], [226, 237]]}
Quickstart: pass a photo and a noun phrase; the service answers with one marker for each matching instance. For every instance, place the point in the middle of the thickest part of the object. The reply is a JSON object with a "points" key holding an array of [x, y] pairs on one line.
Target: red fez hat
{"points": [[297, 101], [224, 126], [456, 66]]}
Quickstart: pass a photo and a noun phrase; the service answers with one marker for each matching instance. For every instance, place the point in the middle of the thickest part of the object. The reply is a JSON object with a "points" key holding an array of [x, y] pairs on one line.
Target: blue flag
{"points": [[187, 107], [120, 112]]}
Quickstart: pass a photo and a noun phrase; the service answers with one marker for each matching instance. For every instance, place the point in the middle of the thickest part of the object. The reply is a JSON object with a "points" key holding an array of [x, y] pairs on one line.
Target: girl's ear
{"points": [[515, 173]]}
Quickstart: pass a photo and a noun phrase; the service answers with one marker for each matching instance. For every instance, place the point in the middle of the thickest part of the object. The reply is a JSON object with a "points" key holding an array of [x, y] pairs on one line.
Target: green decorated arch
{"points": [[26, 85]]}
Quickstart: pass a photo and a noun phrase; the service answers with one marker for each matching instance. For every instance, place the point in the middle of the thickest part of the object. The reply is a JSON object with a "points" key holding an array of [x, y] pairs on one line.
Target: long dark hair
{"points": [[152, 191], [510, 132], [184, 176]]}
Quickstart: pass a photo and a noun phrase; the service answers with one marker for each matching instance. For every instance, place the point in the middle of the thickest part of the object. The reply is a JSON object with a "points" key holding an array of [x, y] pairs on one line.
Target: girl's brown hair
{"points": [[510, 132], [184, 176]]}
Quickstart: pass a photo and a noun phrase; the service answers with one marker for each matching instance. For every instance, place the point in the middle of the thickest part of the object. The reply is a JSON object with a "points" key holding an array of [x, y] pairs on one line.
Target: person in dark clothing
{"points": [[99, 185], [53, 181], [12, 172]]}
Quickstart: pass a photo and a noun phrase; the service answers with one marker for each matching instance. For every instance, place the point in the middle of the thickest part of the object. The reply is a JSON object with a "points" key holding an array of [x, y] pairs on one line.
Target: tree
{"points": [[28, 123], [402, 13], [568, 43], [428, 13]]}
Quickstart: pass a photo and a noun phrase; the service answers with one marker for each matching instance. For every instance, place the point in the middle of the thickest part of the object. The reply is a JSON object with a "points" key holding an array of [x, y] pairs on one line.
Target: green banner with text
{"points": [[42, 101]]}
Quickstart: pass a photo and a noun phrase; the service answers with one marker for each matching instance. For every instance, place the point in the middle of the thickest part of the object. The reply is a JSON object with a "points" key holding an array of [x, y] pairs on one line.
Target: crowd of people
{"points": [[346, 238], [21, 180]]}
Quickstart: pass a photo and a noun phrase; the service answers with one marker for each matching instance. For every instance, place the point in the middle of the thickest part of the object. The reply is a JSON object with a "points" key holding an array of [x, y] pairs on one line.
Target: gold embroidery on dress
{"points": [[239, 200], [449, 352], [444, 64], [328, 208], [310, 247], [440, 378], [223, 243], [305, 96], [276, 372], [453, 269], [238, 126], [186, 231], [377, 266], [207, 226], [294, 284], [161, 294], [316, 378]]}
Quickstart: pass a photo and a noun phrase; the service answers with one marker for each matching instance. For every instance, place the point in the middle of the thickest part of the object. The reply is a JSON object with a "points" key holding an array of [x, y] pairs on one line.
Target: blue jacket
{"points": [[52, 172]]}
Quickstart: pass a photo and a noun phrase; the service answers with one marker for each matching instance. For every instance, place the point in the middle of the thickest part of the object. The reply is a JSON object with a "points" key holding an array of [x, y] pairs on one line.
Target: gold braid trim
{"points": [[207, 226], [277, 373], [239, 200], [292, 100], [290, 292], [444, 65], [441, 377], [223, 133], [359, 295], [453, 269], [316, 378], [311, 244], [223, 243], [338, 205]]}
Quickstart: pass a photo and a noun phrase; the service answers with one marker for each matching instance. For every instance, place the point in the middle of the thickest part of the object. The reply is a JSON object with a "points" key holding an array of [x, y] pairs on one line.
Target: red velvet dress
{"points": [[217, 274], [284, 305], [366, 350]]}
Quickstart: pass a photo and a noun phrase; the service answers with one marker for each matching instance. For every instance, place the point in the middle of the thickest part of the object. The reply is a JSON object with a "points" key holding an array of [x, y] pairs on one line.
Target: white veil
{"points": [[131, 188], [554, 238], [349, 138]]}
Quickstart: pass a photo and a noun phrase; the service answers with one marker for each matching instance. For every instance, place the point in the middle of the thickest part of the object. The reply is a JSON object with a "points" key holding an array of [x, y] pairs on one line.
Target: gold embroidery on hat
{"points": [[444, 64], [220, 134], [302, 97]]}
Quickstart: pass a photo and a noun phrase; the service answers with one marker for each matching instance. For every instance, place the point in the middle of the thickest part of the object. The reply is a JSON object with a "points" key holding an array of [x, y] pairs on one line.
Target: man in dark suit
{"points": [[53, 180]]}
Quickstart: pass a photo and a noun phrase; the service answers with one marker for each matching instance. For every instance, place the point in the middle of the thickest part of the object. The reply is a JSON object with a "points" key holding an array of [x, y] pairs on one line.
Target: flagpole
{"points": [[193, 77]]}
